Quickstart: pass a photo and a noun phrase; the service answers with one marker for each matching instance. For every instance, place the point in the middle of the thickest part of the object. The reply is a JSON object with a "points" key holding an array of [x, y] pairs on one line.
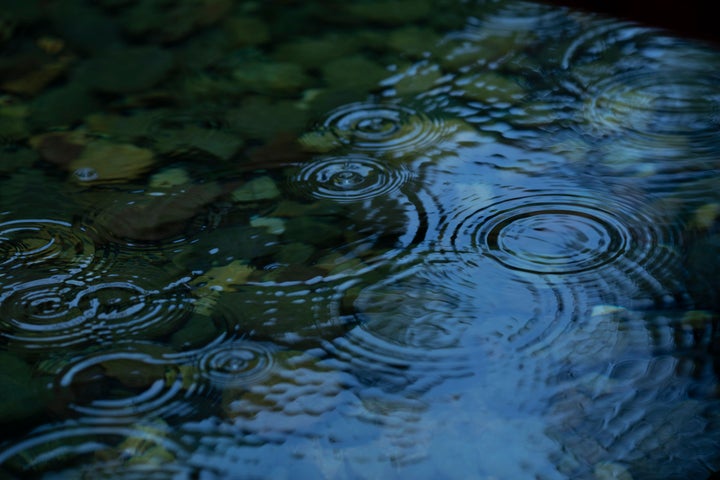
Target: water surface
{"points": [[377, 239]]}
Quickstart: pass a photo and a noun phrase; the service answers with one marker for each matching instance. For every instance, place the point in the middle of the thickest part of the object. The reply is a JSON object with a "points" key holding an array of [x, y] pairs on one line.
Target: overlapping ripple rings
{"points": [[608, 47], [512, 18], [236, 363], [60, 311], [84, 450], [51, 244], [383, 128], [126, 384], [673, 117], [641, 403], [656, 107], [409, 333], [412, 311], [349, 178], [561, 233]]}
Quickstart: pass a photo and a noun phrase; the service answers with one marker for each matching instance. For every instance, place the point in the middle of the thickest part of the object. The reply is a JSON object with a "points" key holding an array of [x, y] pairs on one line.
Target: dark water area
{"points": [[689, 18], [373, 239]]}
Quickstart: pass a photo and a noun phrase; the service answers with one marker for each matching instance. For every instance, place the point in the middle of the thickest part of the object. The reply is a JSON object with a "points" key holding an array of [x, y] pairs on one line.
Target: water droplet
{"points": [[86, 174]]}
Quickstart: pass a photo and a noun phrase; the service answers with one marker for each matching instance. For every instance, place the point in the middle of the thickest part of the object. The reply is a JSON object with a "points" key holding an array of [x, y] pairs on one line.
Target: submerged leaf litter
{"points": [[371, 239]]}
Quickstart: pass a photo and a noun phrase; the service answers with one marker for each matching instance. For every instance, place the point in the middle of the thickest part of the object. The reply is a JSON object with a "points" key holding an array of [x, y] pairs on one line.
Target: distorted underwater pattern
{"points": [[456, 239]]}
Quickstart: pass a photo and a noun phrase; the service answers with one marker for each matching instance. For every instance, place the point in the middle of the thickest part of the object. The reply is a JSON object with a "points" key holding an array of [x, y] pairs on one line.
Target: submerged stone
{"points": [[220, 144], [18, 159], [198, 330], [153, 218], [295, 252], [120, 127], [170, 177], [314, 52], [246, 31], [133, 373], [59, 148], [357, 73], [13, 123], [390, 12], [110, 162], [278, 77], [413, 41], [125, 70], [275, 226], [706, 216], [490, 87], [261, 188], [314, 231], [62, 106], [83, 27], [264, 118], [225, 244], [611, 471], [418, 79], [174, 21], [38, 75], [21, 395]]}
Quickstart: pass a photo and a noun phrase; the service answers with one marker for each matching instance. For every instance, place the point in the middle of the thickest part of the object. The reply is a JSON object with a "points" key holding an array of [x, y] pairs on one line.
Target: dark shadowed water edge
{"points": [[344, 240]]}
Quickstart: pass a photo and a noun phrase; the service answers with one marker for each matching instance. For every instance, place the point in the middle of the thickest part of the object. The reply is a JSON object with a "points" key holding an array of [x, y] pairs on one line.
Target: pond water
{"points": [[372, 239]]}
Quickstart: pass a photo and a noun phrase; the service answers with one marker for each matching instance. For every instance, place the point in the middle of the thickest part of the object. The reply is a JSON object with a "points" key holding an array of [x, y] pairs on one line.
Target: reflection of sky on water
{"points": [[477, 243]]}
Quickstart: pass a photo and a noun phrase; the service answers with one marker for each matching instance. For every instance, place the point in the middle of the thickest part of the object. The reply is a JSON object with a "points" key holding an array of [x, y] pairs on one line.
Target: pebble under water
{"points": [[372, 239]]}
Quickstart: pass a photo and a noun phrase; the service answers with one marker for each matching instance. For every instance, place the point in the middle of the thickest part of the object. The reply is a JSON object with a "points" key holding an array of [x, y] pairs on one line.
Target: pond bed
{"points": [[373, 239]]}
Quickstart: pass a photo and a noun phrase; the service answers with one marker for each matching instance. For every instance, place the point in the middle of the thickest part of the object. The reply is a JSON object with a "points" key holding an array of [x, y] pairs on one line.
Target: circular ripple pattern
{"points": [[236, 364], [137, 451], [59, 311], [547, 233], [607, 47], [643, 408], [657, 109], [42, 242], [412, 311], [514, 17], [349, 178], [384, 128], [130, 384]]}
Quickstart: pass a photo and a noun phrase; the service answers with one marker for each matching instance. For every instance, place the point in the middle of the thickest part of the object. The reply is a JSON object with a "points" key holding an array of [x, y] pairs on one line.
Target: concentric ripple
{"points": [[126, 384], [393, 367], [412, 310], [78, 450], [559, 234], [381, 128], [657, 108], [43, 242], [514, 17], [349, 178], [58, 311], [608, 47], [236, 363], [638, 405]]}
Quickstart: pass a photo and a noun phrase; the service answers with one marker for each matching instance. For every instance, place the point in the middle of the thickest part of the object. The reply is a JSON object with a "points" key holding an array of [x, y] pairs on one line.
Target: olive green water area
{"points": [[370, 239]]}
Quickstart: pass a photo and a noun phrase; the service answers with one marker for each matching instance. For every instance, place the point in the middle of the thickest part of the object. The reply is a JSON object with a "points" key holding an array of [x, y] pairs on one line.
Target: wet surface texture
{"points": [[372, 239]]}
